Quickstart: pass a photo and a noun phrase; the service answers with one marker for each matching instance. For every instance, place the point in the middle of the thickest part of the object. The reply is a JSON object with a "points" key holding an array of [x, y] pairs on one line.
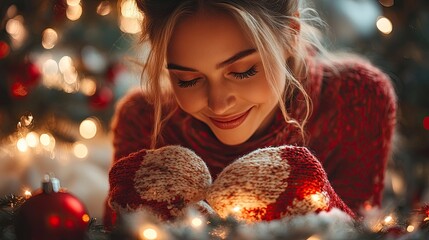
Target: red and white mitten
{"points": [[164, 181], [272, 183]]}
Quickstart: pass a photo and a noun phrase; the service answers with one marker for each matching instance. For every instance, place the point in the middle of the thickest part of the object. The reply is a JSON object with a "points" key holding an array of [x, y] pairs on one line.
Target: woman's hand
{"points": [[271, 183], [164, 181]]}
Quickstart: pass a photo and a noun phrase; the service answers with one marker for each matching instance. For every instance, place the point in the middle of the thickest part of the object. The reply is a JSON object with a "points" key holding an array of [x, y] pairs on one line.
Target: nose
{"points": [[221, 98]]}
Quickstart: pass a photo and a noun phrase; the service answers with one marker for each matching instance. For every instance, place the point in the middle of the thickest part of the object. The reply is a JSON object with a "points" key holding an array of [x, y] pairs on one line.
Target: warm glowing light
{"points": [[314, 237], [27, 194], [388, 219], [14, 27], [315, 197], [236, 209], [11, 11], [397, 183], [88, 86], [149, 233], [49, 38], [426, 219], [85, 218], [65, 64], [88, 128], [387, 3], [130, 25], [131, 18], [196, 222], [80, 150], [367, 206], [319, 199], [384, 25], [104, 8], [50, 67], [45, 139], [73, 2], [221, 233], [21, 144], [74, 12], [410, 228], [129, 9], [71, 76], [32, 139]]}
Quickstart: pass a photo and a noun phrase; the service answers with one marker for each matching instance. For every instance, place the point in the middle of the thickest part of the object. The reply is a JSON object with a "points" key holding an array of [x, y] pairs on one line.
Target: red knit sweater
{"points": [[350, 130]]}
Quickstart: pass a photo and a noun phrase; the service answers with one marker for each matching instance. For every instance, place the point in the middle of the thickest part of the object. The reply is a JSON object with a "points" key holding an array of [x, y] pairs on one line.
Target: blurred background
{"points": [[65, 63]]}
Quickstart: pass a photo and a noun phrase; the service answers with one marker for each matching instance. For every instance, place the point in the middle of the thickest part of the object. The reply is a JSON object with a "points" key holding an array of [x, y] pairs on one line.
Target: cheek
{"points": [[189, 100], [258, 91]]}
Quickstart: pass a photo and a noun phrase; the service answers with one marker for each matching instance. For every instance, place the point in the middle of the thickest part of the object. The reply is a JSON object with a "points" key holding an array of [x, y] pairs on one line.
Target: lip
{"points": [[231, 121]]}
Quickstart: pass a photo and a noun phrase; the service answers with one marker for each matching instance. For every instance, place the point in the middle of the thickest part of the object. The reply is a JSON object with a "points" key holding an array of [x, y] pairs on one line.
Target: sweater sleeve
{"points": [[363, 124], [131, 125]]}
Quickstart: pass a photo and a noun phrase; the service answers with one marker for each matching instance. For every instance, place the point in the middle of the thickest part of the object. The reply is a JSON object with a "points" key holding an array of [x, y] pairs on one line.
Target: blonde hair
{"points": [[275, 27]]}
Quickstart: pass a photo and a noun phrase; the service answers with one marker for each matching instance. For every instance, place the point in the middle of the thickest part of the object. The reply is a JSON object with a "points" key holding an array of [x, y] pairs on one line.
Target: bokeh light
{"points": [[49, 38], [21, 144], [88, 128], [32, 139], [426, 123], [384, 25], [104, 8], [74, 12], [80, 150]]}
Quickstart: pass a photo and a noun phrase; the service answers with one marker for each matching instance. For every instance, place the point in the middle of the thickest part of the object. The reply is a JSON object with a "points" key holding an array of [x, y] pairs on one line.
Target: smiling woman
{"points": [[218, 77], [246, 77]]}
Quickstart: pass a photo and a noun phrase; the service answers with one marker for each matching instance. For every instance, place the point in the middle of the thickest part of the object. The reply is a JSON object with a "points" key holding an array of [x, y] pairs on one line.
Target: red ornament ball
{"points": [[102, 98], [4, 49], [426, 123], [52, 214]]}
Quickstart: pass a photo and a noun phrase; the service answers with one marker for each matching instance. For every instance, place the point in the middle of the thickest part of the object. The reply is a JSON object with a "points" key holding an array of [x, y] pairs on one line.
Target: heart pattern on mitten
{"points": [[164, 181], [271, 183]]}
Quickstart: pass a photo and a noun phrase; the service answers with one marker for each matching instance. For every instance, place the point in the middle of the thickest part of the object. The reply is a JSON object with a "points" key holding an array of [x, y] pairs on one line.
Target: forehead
{"points": [[214, 35]]}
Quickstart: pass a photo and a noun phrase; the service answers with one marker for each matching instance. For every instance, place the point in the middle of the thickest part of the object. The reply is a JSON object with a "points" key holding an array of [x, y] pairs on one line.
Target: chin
{"points": [[231, 139]]}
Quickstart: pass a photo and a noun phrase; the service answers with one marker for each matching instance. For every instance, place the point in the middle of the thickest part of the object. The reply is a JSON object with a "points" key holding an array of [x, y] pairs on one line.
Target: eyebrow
{"points": [[228, 61]]}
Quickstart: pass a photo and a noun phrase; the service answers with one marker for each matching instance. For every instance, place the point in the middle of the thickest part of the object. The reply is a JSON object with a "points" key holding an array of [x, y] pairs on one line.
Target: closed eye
{"points": [[187, 83], [247, 74]]}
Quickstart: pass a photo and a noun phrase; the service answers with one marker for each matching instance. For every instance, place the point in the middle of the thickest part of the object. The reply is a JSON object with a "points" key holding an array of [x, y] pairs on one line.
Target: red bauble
{"points": [[113, 71], [52, 214], [24, 76], [101, 99]]}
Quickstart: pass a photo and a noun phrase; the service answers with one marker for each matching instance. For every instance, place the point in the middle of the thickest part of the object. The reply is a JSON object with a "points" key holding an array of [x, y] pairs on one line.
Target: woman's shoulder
{"points": [[356, 77], [132, 103], [135, 97], [131, 107]]}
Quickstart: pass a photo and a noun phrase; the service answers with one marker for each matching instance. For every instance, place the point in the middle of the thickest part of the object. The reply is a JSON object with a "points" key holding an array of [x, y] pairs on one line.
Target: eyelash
{"points": [[247, 74], [189, 83]]}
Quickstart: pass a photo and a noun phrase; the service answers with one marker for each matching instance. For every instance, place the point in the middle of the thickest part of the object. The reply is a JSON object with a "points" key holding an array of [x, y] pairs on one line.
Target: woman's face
{"points": [[218, 77]]}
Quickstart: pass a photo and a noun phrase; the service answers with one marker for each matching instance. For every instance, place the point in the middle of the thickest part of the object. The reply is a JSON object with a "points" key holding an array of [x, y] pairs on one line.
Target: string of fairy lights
{"points": [[28, 141]]}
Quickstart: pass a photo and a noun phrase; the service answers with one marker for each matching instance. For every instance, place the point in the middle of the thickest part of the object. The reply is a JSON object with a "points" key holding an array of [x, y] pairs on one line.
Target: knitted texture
{"points": [[163, 181], [350, 130], [272, 183]]}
